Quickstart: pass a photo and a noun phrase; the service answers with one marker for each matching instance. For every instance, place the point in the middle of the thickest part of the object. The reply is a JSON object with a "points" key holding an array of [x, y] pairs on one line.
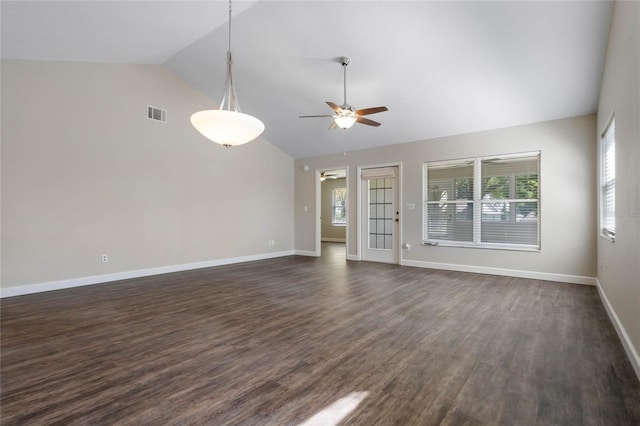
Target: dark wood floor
{"points": [[278, 341]]}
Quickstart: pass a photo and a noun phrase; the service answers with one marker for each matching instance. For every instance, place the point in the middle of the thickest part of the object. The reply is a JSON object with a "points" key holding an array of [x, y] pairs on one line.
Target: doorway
{"points": [[380, 215], [331, 219]]}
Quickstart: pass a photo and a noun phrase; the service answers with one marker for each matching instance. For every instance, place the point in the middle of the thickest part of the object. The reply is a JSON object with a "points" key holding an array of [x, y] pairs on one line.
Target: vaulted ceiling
{"points": [[442, 68]]}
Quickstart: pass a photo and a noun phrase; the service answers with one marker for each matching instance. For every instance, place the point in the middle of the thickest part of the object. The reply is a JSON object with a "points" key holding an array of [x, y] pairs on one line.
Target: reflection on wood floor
{"points": [[300, 339], [333, 252]]}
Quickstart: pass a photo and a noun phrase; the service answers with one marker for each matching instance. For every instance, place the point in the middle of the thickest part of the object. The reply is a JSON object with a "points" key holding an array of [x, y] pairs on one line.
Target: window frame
{"points": [[607, 187], [477, 202]]}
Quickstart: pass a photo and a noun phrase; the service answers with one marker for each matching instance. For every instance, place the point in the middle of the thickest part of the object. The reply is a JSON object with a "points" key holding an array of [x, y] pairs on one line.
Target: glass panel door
{"points": [[380, 218]]}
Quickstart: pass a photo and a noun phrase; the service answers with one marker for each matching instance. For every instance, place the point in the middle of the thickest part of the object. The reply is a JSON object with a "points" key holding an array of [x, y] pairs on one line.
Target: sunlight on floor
{"points": [[334, 413]]}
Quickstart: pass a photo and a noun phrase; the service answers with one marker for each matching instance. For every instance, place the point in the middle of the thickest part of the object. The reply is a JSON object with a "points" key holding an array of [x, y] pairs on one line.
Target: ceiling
{"points": [[442, 68]]}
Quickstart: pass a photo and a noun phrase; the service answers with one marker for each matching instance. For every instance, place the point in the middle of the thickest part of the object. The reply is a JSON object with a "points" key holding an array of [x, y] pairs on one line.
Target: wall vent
{"points": [[156, 114]]}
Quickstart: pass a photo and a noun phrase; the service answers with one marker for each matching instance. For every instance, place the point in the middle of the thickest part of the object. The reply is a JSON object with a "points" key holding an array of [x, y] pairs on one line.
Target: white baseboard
{"points": [[305, 253], [333, 240], [353, 257], [573, 279], [100, 279], [622, 333]]}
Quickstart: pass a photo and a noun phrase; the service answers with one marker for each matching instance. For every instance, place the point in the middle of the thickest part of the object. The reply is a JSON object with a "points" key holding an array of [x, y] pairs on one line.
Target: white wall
{"points": [[619, 262], [85, 173], [567, 182]]}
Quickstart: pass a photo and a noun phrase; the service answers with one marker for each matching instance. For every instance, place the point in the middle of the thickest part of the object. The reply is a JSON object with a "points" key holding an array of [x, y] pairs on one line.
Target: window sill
{"points": [[490, 246]]}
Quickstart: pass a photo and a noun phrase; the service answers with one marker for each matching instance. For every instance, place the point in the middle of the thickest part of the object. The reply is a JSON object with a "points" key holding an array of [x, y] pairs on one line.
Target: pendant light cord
{"points": [[344, 69], [230, 92], [229, 49]]}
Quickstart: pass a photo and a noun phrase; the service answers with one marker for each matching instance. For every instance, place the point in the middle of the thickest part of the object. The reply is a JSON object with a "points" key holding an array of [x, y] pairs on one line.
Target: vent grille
{"points": [[156, 114]]}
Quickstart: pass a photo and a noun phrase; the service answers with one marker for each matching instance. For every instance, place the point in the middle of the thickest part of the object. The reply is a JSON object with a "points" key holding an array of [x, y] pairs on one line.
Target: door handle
{"points": [[397, 220]]}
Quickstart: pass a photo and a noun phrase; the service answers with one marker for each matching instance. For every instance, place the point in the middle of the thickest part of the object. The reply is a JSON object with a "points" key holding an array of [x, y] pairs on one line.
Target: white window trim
{"points": [[477, 208]]}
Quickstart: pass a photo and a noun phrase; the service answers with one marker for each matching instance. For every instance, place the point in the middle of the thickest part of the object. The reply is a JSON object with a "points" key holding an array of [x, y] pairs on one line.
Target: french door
{"points": [[380, 215]]}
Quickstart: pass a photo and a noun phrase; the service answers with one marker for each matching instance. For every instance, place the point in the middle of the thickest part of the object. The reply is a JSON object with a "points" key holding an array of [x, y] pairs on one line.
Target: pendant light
{"points": [[227, 125]]}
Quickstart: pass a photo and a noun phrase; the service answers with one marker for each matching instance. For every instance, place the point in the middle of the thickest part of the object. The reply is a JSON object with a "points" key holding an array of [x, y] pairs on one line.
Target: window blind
{"points": [[379, 173], [608, 182], [448, 199], [509, 200]]}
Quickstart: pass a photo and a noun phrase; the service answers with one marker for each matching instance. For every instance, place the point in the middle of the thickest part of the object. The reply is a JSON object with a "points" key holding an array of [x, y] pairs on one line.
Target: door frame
{"points": [[360, 207], [318, 220]]}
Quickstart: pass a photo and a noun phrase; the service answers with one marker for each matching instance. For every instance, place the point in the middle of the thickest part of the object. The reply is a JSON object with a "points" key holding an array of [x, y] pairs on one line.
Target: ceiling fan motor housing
{"points": [[347, 110]]}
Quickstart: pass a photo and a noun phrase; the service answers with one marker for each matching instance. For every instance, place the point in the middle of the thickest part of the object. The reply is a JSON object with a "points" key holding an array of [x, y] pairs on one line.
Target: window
{"points": [[608, 182], [339, 209], [491, 202], [449, 201]]}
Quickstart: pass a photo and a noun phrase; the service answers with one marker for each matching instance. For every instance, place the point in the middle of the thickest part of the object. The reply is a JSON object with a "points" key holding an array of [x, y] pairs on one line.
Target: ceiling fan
{"points": [[346, 115], [329, 175]]}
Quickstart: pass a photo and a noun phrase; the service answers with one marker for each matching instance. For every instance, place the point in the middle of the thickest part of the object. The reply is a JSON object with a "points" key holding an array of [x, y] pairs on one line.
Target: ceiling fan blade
{"points": [[313, 116], [374, 110], [335, 107], [368, 122], [333, 126]]}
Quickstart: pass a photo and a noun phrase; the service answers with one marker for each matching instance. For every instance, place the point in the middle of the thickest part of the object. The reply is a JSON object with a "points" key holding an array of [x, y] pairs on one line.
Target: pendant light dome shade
{"points": [[228, 128]]}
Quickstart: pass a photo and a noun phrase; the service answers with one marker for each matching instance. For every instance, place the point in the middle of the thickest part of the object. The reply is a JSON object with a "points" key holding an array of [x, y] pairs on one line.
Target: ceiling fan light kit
{"points": [[228, 126], [346, 119], [346, 115]]}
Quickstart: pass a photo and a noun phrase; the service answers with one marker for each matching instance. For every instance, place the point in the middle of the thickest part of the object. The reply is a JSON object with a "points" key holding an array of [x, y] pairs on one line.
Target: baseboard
{"points": [[573, 279], [622, 333], [100, 279], [333, 240], [305, 253], [353, 257]]}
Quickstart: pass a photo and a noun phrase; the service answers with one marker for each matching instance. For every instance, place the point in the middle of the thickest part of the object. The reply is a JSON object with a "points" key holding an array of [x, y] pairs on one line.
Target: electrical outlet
{"points": [[104, 258], [271, 243]]}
